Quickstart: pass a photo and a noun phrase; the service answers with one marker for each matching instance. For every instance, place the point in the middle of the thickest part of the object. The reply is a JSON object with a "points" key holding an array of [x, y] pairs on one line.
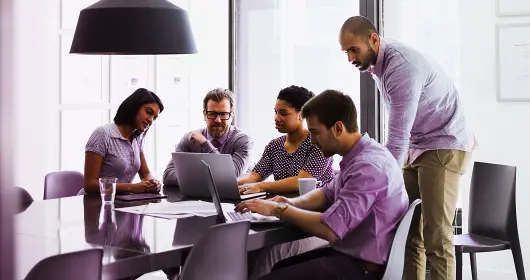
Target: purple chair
{"points": [[63, 184], [220, 254], [82, 265], [396, 257], [492, 217]]}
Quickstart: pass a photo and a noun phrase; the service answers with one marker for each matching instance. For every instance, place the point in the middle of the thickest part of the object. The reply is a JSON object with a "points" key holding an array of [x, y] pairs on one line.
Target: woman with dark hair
{"points": [[291, 156], [115, 150], [287, 158]]}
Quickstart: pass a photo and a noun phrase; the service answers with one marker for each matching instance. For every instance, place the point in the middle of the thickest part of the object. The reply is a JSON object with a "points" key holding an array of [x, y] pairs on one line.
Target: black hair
{"points": [[126, 114], [296, 96], [332, 106]]}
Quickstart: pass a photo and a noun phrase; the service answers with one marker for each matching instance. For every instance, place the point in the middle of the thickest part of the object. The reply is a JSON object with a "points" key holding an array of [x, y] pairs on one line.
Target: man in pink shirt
{"points": [[427, 134], [357, 212]]}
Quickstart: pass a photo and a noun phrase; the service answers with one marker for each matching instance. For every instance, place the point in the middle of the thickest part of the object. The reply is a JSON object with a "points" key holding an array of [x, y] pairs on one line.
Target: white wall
{"points": [[501, 128], [36, 62]]}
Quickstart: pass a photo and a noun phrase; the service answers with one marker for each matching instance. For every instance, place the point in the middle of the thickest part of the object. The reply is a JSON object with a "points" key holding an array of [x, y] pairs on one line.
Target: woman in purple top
{"points": [[115, 149], [291, 156]]}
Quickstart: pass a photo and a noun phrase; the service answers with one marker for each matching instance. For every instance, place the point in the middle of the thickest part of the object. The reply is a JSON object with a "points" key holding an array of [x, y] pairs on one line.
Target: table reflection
{"points": [[106, 227], [133, 244]]}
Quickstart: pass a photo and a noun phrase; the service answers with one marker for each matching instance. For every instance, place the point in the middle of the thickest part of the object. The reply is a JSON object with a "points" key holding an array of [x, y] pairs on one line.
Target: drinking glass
{"points": [[107, 189]]}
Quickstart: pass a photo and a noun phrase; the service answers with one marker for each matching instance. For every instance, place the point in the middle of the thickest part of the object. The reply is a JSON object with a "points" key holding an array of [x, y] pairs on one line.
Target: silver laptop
{"points": [[225, 216], [193, 183]]}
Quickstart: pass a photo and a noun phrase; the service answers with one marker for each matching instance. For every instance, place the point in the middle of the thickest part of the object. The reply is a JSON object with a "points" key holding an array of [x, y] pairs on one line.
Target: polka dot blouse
{"points": [[276, 161]]}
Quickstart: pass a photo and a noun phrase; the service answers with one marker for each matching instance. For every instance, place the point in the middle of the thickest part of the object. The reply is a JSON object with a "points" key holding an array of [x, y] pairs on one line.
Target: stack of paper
{"points": [[178, 209]]}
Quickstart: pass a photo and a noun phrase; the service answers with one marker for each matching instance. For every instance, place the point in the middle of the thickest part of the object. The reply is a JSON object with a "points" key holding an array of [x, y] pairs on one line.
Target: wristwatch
{"points": [[280, 208]]}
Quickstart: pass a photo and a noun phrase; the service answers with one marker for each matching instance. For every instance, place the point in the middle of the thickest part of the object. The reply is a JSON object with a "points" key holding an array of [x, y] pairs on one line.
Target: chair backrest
{"points": [[492, 210], [62, 184], [24, 199], [396, 257], [220, 254], [82, 265]]}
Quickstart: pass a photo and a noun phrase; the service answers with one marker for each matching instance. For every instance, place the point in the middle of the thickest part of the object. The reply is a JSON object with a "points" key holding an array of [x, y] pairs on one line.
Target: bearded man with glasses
{"points": [[219, 136]]}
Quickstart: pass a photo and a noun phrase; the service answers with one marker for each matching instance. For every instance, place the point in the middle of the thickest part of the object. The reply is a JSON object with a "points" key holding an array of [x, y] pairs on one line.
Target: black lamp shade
{"points": [[133, 27]]}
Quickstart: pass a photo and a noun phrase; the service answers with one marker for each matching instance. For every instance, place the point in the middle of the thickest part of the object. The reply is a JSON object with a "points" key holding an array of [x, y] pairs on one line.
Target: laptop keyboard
{"points": [[236, 216]]}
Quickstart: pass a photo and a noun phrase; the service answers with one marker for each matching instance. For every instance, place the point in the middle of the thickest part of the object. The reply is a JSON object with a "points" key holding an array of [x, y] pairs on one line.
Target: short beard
{"points": [[370, 59], [372, 55], [217, 133]]}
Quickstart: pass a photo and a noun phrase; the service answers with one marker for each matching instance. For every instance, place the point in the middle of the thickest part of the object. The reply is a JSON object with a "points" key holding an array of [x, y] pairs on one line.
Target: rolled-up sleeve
{"points": [[354, 198]]}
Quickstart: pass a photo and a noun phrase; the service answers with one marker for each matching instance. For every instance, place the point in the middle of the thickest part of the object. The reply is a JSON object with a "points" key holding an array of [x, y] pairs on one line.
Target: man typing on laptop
{"points": [[357, 212], [219, 136]]}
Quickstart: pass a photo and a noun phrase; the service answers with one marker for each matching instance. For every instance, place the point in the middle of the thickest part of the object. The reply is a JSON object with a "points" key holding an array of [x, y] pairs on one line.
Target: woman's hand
{"points": [[156, 182], [251, 188], [146, 187]]}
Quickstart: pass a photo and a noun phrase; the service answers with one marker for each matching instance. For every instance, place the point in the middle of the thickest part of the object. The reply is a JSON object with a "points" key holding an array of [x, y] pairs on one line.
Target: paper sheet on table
{"points": [[178, 209]]}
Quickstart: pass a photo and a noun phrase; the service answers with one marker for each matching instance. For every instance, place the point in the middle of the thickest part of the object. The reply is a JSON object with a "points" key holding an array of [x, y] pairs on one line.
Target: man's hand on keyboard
{"points": [[281, 199], [260, 206]]}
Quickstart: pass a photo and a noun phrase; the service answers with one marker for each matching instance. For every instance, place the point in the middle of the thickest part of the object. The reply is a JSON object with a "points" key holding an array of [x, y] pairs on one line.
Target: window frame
{"points": [[371, 115]]}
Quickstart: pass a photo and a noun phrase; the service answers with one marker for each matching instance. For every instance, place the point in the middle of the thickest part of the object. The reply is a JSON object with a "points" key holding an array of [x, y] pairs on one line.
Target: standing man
{"points": [[428, 136]]}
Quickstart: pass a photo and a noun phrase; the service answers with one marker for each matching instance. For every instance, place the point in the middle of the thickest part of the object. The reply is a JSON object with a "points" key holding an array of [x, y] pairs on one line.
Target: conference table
{"points": [[133, 244]]}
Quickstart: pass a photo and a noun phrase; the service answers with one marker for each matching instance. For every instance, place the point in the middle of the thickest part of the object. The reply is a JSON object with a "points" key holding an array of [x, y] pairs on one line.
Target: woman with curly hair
{"points": [[291, 156], [287, 158]]}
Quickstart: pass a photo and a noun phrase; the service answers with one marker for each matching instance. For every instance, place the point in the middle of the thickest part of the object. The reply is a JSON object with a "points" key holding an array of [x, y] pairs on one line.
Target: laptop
{"points": [[193, 183], [232, 215]]}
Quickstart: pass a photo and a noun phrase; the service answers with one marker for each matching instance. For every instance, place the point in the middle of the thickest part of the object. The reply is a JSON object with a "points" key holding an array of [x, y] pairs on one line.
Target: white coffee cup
{"points": [[306, 185]]}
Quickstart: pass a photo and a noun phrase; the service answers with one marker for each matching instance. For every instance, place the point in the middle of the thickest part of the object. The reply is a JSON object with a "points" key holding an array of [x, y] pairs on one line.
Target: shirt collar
{"points": [[115, 132], [355, 150], [221, 139], [378, 68]]}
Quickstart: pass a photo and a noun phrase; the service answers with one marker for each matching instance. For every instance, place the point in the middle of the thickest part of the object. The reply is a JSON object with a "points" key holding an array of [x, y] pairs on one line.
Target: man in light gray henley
{"points": [[428, 136]]}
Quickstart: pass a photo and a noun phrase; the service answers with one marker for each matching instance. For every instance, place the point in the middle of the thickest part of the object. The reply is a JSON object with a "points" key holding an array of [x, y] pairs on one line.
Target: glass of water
{"points": [[107, 189]]}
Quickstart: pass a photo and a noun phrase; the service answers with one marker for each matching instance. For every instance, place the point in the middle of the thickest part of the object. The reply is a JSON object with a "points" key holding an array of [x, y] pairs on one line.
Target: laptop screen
{"points": [[215, 195]]}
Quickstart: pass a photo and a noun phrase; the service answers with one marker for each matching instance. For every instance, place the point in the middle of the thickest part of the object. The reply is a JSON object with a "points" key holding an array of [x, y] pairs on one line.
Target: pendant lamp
{"points": [[133, 27]]}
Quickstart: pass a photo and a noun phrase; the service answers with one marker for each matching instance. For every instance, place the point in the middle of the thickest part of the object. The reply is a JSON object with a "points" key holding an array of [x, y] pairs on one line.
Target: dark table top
{"points": [[132, 244]]}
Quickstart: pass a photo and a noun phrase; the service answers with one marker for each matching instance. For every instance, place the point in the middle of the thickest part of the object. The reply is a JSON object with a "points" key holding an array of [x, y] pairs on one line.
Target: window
{"points": [[283, 43], [92, 87]]}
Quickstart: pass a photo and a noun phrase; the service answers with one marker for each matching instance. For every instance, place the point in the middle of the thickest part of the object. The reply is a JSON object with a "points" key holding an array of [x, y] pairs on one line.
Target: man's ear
{"points": [[374, 39], [339, 128]]}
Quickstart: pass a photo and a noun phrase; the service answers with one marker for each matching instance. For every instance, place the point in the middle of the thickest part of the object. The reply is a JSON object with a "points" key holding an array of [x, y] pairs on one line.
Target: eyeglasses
{"points": [[222, 115]]}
